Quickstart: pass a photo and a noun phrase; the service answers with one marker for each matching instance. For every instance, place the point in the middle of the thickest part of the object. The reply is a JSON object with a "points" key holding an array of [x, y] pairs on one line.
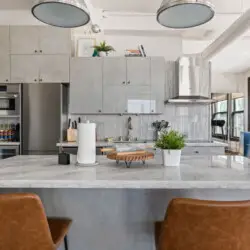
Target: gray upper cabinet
{"points": [[54, 40], [138, 99], [114, 71], [24, 69], [138, 71], [54, 68], [4, 40], [26, 40], [158, 80], [38, 69], [103, 85], [86, 85], [114, 99]]}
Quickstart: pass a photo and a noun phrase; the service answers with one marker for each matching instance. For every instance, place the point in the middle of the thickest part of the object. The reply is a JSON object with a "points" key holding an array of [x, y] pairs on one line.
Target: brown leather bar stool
{"points": [[204, 225], [24, 225]]}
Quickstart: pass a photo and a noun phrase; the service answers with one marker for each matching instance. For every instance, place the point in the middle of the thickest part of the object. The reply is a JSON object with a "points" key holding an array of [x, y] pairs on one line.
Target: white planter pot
{"points": [[171, 158], [102, 54]]}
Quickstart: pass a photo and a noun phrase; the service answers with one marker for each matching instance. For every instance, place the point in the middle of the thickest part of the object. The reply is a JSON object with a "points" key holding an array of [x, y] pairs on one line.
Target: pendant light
{"points": [[61, 13], [181, 14]]}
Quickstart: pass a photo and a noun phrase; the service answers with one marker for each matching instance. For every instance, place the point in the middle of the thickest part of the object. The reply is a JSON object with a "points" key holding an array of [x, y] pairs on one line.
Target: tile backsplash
{"points": [[193, 120]]}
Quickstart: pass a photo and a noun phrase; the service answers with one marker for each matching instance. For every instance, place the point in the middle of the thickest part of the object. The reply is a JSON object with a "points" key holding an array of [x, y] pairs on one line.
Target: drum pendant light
{"points": [[181, 14], [61, 13]]}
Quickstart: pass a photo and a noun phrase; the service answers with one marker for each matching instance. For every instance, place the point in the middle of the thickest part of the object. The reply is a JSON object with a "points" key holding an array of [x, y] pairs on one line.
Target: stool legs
{"points": [[66, 243]]}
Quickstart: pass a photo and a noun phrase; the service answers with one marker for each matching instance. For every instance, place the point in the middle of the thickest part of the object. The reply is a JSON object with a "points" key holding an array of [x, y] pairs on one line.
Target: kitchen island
{"points": [[115, 207]]}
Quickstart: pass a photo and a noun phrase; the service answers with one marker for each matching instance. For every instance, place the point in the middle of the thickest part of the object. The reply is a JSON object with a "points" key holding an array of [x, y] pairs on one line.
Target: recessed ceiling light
{"points": [[61, 13], [181, 14]]}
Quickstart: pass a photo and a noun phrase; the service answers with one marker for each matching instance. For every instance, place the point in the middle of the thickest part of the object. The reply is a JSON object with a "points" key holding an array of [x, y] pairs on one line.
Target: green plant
{"points": [[103, 47], [170, 140]]}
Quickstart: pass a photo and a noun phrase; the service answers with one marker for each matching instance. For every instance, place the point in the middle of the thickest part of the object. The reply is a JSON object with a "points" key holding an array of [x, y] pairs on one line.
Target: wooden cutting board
{"points": [[128, 157]]}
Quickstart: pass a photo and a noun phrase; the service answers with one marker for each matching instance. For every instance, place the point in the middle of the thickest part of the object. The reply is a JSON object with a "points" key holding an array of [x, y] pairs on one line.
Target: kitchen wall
{"points": [[193, 120], [169, 47]]}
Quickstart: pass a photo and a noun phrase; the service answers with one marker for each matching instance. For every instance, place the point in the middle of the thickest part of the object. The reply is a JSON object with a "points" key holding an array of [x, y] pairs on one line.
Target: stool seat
{"points": [[59, 229], [205, 225]]}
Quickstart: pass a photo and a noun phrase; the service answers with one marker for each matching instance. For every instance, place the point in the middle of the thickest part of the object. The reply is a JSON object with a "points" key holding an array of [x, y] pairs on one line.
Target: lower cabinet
{"points": [[210, 150]]}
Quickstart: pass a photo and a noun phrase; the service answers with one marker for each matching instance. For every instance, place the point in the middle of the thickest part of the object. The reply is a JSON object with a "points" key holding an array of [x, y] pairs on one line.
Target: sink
{"points": [[142, 141]]}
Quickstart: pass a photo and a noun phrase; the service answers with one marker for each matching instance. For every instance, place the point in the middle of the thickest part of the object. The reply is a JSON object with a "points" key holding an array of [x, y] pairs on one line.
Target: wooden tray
{"points": [[129, 157]]}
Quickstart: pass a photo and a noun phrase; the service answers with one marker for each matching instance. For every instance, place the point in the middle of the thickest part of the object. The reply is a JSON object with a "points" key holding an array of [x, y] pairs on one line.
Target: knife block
{"points": [[71, 135]]}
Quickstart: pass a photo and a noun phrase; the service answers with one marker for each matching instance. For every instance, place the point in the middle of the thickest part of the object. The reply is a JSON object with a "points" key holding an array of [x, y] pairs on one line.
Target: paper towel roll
{"points": [[86, 143]]}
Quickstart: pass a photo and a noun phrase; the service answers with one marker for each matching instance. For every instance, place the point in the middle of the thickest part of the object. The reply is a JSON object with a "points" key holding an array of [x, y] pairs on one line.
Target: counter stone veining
{"points": [[199, 172], [110, 144]]}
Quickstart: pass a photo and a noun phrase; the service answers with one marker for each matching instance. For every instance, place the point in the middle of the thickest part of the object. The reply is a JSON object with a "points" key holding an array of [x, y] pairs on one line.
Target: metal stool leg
{"points": [[66, 243]]}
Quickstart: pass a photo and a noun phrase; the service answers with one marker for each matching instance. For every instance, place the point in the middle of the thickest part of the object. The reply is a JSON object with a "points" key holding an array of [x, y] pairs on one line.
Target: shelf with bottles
{"points": [[9, 132]]}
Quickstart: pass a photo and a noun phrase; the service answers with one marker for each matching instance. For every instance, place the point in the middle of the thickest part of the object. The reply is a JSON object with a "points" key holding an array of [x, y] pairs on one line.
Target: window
{"points": [[237, 116], [220, 111]]}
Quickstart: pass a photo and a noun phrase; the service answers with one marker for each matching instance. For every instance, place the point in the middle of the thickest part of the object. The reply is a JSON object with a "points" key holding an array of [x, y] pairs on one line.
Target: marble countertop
{"points": [[195, 172], [110, 144]]}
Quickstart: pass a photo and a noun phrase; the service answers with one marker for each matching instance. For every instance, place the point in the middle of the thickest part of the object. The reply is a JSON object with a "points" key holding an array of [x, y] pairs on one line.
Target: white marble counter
{"points": [[195, 172], [110, 144]]}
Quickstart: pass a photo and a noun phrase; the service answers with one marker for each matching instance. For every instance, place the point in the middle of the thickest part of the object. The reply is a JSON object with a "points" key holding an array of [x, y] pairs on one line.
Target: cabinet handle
{"points": [[196, 152], [152, 111], [35, 80], [126, 111], [123, 83], [35, 51], [41, 51], [128, 82], [41, 80], [99, 111], [7, 80]]}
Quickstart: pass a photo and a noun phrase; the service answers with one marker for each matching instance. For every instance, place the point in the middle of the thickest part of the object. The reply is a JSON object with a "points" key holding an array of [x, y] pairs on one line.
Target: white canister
{"points": [[171, 158]]}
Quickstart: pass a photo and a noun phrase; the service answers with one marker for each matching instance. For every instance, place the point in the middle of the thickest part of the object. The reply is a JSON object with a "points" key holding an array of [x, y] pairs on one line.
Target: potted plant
{"points": [[103, 49], [171, 144]]}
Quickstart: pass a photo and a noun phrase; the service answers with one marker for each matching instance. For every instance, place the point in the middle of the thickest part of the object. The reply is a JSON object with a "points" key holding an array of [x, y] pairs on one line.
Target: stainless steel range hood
{"points": [[193, 82]]}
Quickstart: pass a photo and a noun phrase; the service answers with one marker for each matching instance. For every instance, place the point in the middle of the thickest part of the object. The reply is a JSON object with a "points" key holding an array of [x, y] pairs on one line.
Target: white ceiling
{"points": [[131, 16]]}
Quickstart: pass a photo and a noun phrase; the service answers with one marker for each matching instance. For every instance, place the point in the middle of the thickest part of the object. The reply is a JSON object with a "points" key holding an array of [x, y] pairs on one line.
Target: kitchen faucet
{"points": [[130, 128]]}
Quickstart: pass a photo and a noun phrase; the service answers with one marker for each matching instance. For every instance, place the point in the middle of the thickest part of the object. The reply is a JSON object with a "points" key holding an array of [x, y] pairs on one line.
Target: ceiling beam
{"points": [[240, 26]]}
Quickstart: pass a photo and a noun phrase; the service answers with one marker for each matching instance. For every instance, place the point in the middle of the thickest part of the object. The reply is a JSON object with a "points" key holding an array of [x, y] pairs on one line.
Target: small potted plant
{"points": [[103, 49], [171, 143]]}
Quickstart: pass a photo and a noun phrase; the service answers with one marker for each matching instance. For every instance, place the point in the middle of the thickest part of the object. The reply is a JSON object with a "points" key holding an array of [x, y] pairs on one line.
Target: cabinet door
{"points": [[54, 40], [4, 40], [138, 71], [54, 68], [24, 40], [114, 71], [138, 99], [114, 99], [86, 85], [24, 69], [157, 84], [4, 68]]}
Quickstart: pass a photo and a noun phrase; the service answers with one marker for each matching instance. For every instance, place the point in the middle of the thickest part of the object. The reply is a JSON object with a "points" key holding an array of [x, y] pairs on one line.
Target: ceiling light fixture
{"points": [[61, 13], [181, 14]]}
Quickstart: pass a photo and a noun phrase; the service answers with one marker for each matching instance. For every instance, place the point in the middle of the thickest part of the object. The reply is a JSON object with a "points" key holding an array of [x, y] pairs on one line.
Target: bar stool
{"points": [[24, 225], [206, 225]]}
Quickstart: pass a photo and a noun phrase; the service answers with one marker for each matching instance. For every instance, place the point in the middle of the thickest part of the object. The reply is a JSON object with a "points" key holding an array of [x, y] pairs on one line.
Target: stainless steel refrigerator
{"points": [[40, 118]]}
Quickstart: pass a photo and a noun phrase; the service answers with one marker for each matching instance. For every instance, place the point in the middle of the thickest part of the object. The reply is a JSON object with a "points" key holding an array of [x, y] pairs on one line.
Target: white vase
{"points": [[102, 54], [171, 158]]}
